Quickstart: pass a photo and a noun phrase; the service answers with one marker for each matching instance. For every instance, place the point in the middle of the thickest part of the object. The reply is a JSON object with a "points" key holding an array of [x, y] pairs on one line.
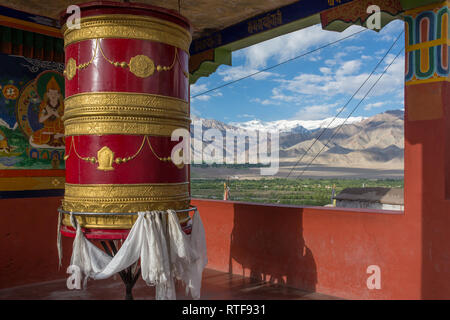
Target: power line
{"points": [[277, 65], [345, 106], [354, 109]]}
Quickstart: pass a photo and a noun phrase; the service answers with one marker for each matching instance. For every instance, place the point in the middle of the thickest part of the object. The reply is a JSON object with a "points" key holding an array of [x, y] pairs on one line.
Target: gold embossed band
{"points": [[116, 207], [129, 27], [125, 104], [115, 221], [114, 192], [122, 198], [103, 125]]}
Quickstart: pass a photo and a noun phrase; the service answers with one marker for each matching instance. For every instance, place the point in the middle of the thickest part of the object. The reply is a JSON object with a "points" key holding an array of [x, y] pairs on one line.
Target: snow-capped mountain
{"points": [[294, 126], [363, 142]]}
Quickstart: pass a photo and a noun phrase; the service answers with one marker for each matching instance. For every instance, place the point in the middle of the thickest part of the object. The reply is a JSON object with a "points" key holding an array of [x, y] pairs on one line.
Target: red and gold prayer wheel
{"points": [[127, 89]]}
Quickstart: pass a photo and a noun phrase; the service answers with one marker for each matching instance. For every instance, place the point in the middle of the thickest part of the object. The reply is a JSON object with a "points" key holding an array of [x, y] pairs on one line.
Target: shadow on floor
{"points": [[216, 286]]}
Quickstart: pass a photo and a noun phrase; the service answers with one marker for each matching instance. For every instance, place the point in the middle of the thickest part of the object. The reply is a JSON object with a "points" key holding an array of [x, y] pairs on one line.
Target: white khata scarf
{"points": [[166, 252]]}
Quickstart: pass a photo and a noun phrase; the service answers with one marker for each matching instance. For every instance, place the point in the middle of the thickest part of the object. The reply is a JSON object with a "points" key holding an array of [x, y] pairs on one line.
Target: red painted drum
{"points": [[127, 89]]}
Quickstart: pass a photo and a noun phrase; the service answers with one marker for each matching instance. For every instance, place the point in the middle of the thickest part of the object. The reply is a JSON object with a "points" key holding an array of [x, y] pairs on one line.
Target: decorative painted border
{"points": [[427, 44], [30, 22], [31, 183], [355, 13], [206, 63], [263, 22]]}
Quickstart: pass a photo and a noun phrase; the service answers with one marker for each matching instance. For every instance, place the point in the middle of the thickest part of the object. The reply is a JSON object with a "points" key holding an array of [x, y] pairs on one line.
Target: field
{"points": [[315, 192]]}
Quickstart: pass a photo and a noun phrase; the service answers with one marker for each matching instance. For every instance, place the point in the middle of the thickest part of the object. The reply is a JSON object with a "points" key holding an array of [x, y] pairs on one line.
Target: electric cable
{"points": [[277, 65], [354, 109], [345, 106]]}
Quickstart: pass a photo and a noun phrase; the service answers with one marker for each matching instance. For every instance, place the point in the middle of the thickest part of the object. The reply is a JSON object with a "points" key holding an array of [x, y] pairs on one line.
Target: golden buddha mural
{"points": [[42, 121], [51, 110]]}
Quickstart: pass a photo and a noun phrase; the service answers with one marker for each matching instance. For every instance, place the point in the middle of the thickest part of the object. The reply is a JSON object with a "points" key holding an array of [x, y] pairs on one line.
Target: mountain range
{"points": [[362, 142], [293, 126]]}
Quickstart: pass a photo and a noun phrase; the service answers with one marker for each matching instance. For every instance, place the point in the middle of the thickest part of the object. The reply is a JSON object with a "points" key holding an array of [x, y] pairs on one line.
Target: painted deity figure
{"points": [[4, 146], [51, 110]]}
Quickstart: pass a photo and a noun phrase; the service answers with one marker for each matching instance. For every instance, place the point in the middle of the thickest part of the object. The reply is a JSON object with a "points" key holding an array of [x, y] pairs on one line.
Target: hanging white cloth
{"points": [[166, 252], [58, 240], [189, 257]]}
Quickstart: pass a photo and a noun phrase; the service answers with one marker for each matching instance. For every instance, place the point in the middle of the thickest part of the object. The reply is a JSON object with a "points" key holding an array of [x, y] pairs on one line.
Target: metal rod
{"points": [[105, 246], [113, 246], [192, 208], [125, 275], [136, 276], [121, 273]]}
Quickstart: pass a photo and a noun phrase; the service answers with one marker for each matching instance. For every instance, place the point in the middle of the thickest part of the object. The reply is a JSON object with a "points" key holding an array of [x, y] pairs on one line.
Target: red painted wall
{"points": [[28, 241], [326, 250], [427, 185]]}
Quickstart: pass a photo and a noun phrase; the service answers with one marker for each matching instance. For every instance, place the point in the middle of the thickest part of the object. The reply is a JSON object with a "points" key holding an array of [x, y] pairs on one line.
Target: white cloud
{"points": [[202, 98], [245, 115], [279, 96], [393, 80], [234, 73], [354, 48], [391, 31], [290, 45], [200, 88], [348, 67], [325, 70], [330, 62], [315, 58], [387, 37], [315, 112], [194, 111], [265, 102], [341, 79], [370, 106]]}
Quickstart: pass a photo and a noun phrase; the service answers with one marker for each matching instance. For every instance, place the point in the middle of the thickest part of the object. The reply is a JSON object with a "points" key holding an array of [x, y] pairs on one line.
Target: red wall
{"points": [[326, 250], [427, 183], [323, 249], [28, 241]]}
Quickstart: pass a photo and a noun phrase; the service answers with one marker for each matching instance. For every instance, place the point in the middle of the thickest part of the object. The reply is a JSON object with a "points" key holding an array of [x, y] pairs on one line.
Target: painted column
{"points": [[126, 91], [427, 138]]}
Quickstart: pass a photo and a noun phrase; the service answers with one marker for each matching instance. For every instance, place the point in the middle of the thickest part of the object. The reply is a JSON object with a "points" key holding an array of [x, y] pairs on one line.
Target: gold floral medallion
{"points": [[142, 66], [71, 69]]}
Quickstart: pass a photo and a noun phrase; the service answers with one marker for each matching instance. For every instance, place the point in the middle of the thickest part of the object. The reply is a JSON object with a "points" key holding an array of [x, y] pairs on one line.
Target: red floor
{"points": [[216, 286]]}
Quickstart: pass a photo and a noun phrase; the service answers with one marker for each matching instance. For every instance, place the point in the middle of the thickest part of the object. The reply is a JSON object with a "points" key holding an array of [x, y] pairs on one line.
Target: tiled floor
{"points": [[216, 286]]}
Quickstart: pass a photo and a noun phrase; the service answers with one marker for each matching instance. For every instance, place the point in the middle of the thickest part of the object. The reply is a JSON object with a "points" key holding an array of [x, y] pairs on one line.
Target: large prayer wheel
{"points": [[127, 89]]}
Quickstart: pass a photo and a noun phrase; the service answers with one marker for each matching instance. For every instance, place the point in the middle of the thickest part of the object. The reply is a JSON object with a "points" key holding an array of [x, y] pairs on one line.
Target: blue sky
{"points": [[310, 88]]}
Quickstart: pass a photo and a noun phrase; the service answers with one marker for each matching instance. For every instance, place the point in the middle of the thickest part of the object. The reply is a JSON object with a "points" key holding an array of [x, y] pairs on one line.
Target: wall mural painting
{"points": [[31, 109]]}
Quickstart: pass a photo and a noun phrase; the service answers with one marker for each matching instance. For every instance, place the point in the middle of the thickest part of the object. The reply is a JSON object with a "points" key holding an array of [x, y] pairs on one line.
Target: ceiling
{"points": [[205, 15]]}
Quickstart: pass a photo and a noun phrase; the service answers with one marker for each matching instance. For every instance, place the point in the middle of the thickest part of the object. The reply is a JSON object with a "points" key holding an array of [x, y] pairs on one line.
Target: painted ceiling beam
{"points": [[412, 4], [269, 25], [214, 49], [10, 17], [335, 15]]}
